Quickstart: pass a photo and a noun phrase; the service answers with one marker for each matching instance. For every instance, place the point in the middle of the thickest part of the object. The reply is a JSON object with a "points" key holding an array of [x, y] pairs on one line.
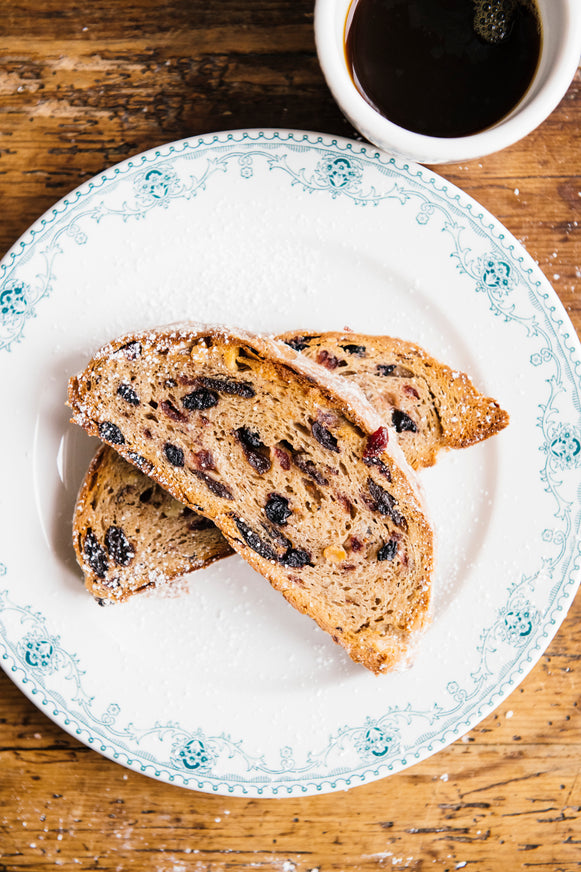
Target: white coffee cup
{"points": [[560, 53]]}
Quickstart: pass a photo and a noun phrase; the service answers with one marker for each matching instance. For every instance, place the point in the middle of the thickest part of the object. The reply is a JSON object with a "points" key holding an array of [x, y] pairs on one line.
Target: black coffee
{"points": [[443, 67]]}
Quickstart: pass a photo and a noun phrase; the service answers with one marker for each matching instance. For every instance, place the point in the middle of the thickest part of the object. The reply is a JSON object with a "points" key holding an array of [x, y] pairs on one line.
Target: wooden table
{"points": [[82, 86]]}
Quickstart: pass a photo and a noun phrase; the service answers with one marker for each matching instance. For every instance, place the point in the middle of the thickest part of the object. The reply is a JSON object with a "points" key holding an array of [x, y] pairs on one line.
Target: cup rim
{"points": [[528, 114]]}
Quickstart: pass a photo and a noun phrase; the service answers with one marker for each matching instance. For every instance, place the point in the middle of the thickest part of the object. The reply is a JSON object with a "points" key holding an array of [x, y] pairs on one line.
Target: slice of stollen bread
{"points": [[431, 406], [130, 535], [291, 463]]}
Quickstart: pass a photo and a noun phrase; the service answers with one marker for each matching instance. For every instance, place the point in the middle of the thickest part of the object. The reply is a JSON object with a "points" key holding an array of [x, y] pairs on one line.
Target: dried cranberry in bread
{"points": [[130, 535], [431, 406], [291, 463]]}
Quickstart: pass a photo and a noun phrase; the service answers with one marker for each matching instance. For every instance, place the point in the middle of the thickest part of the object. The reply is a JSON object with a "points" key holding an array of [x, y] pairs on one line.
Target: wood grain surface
{"points": [[82, 86]]}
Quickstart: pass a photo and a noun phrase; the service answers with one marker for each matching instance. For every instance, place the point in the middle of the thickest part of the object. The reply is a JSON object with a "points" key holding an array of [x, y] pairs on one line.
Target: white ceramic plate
{"points": [[226, 688]]}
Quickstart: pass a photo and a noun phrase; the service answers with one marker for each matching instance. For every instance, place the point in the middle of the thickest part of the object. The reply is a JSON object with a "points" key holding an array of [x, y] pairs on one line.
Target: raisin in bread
{"points": [[291, 463], [130, 535], [431, 406]]}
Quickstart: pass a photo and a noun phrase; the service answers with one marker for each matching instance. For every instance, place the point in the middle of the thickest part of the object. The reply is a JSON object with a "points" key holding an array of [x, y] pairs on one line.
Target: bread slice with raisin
{"points": [[291, 463], [431, 406], [131, 536]]}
